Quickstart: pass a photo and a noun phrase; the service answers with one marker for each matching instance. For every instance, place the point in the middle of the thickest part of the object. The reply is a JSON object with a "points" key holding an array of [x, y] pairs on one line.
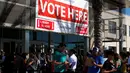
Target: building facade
{"points": [[18, 33], [115, 25]]}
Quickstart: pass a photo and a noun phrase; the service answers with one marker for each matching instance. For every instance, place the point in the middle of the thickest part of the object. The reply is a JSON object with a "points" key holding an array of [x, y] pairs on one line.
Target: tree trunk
{"points": [[97, 9]]}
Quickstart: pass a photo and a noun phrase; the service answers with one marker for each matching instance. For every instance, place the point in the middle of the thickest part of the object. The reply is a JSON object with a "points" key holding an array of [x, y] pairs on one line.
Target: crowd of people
{"points": [[61, 61], [64, 60], [106, 62]]}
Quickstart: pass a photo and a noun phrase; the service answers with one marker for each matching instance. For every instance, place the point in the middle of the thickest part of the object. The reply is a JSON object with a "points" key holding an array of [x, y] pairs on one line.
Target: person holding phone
{"points": [[60, 59]]}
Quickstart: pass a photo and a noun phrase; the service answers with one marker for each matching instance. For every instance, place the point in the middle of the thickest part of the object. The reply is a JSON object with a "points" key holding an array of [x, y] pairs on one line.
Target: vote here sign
{"points": [[62, 16]]}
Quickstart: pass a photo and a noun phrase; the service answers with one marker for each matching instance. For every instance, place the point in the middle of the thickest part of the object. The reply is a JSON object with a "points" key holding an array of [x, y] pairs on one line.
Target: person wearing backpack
{"points": [[31, 63]]}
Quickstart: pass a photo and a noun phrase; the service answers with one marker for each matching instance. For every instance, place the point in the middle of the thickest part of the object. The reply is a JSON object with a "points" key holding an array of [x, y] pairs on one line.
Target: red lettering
{"points": [[62, 11], [81, 30], [44, 24]]}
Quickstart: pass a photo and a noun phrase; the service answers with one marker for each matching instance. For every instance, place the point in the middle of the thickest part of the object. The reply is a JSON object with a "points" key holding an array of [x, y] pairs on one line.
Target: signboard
{"points": [[45, 24], [62, 16]]}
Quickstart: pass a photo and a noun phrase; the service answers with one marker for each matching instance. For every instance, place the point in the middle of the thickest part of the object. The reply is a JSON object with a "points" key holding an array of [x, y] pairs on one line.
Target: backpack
{"points": [[33, 66]]}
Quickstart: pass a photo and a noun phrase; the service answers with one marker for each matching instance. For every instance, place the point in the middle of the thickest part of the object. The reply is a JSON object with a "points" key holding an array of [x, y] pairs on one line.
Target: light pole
{"points": [[120, 30]]}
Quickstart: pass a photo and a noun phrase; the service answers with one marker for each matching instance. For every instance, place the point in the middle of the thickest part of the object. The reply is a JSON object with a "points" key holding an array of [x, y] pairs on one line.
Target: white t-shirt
{"points": [[73, 61]]}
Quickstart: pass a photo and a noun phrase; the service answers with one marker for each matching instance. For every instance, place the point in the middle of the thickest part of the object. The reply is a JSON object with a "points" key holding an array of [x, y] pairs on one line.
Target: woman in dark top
{"points": [[8, 64], [31, 63], [109, 66]]}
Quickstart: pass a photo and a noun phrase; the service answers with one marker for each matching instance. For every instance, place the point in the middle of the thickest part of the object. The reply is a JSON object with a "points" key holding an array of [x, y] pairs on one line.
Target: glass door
{"points": [[6, 47]]}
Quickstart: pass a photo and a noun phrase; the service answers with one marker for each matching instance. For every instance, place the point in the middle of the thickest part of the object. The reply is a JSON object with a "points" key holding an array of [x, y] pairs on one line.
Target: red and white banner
{"points": [[63, 16], [45, 24]]}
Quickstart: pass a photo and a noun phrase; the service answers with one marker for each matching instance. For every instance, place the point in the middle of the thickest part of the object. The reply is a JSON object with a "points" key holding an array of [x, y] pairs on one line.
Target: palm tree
{"points": [[97, 9]]}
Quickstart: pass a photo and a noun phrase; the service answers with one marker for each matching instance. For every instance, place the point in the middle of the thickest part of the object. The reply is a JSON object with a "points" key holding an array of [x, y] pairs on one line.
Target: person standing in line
{"points": [[97, 61], [60, 59], [3, 56], [8, 64], [25, 57], [19, 63], [49, 60], [31, 63], [43, 62], [118, 63], [128, 62], [109, 66], [124, 59], [85, 67], [72, 61]]}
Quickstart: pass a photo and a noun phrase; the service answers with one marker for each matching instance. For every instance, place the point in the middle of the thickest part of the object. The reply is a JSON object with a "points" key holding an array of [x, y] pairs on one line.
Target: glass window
{"points": [[124, 49], [74, 38], [129, 30], [74, 41], [112, 27], [56, 38], [124, 29], [39, 36], [34, 35], [1, 32], [112, 48], [15, 33], [44, 36], [31, 35]]}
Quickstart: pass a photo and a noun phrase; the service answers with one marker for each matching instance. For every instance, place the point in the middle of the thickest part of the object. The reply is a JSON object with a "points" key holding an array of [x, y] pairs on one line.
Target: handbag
{"points": [[31, 67]]}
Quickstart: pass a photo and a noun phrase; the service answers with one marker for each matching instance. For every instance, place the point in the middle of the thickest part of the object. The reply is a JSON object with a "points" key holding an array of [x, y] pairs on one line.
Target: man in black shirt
{"points": [[109, 66]]}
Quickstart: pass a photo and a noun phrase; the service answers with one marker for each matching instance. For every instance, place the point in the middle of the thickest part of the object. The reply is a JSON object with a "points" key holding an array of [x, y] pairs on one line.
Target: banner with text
{"points": [[62, 16]]}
